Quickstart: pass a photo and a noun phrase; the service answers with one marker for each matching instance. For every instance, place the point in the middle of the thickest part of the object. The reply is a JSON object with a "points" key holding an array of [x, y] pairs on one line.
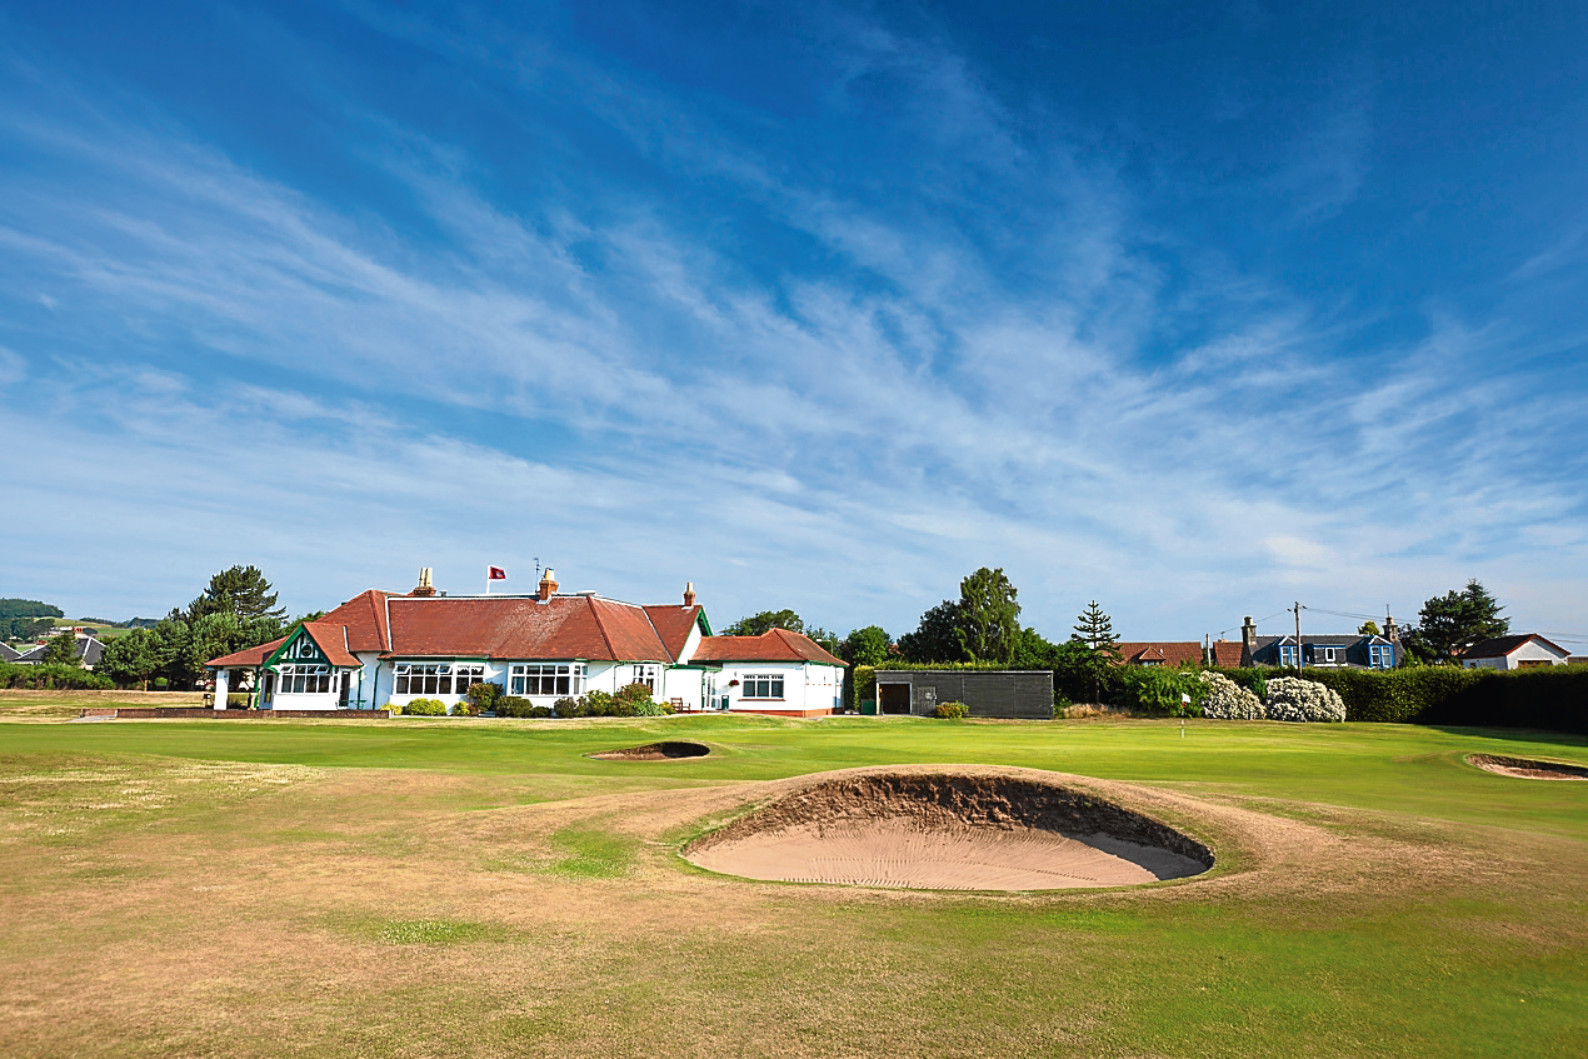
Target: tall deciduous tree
{"points": [[241, 591], [988, 628], [1453, 622]]}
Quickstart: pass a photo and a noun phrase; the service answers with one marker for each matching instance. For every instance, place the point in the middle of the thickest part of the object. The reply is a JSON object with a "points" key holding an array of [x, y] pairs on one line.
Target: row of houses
{"points": [[383, 649], [1340, 651], [89, 651]]}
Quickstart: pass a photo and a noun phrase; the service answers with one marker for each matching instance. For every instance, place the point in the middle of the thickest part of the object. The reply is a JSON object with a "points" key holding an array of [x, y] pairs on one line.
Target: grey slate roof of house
{"points": [[9, 654], [1500, 646], [89, 652], [1355, 644]]}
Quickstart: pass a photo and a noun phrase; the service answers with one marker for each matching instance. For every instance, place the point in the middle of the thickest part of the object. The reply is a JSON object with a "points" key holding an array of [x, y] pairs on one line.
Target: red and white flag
{"points": [[496, 574]]}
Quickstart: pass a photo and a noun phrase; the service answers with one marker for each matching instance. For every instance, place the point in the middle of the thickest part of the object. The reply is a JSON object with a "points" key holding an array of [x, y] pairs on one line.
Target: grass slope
{"points": [[425, 887]]}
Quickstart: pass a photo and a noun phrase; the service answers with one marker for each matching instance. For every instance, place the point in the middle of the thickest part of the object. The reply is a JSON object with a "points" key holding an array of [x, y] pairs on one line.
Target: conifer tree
{"points": [[1096, 630]]}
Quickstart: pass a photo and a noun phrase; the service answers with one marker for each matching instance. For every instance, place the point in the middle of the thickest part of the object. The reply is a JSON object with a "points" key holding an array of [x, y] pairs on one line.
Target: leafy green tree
{"points": [[130, 659], [988, 626], [765, 622], [865, 647], [1368, 628], [1449, 624], [61, 650], [936, 639], [239, 590]]}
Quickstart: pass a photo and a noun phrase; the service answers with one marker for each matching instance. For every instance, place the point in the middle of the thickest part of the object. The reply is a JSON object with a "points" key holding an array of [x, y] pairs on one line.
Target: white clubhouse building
{"points": [[382, 649]]}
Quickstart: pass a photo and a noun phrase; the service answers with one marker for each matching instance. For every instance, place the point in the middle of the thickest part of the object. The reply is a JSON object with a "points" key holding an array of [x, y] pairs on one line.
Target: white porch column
{"points": [[222, 686]]}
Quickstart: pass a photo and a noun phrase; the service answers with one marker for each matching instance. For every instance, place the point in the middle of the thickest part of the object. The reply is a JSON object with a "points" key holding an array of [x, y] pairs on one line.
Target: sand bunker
{"points": [[1528, 768], [671, 750], [949, 832]]}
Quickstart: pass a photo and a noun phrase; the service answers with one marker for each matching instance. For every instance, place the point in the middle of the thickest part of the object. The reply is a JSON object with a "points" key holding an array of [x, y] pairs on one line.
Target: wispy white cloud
{"points": [[847, 441]]}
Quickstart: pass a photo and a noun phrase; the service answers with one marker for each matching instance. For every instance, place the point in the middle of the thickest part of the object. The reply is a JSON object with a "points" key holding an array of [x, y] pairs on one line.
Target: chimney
{"points": [[1248, 641], [548, 584], [689, 593], [424, 588], [1392, 632]]}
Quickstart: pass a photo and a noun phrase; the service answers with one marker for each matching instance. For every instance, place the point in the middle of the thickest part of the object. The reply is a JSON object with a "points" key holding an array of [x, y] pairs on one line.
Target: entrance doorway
{"points": [[893, 698]]}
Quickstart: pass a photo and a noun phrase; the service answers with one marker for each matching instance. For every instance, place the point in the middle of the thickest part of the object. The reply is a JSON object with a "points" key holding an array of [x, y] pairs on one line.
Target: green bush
{"points": [[514, 706], [950, 710], [52, 678], [1159, 690], [463, 708], [484, 696], [426, 708]]}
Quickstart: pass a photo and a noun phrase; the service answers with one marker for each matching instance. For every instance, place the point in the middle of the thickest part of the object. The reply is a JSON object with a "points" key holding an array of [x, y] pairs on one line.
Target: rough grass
{"points": [[485, 888]]}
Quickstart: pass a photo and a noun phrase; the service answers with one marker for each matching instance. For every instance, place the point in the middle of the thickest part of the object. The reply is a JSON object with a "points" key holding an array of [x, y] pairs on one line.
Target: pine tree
{"points": [[241, 591], [1449, 624], [1096, 630], [61, 650]]}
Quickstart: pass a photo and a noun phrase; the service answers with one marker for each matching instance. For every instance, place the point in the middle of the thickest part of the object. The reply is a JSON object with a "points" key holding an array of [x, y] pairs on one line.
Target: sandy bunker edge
{"points": [[666, 750], [1527, 768], [948, 830]]}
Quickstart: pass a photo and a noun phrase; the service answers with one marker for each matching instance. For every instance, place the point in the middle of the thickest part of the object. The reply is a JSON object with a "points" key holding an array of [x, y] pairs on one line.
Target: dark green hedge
{"points": [[51, 678], [1554, 698]]}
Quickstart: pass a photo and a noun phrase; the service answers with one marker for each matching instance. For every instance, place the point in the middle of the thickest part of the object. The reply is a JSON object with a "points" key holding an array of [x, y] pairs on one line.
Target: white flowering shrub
{"points": [[1228, 701], [1293, 699]]}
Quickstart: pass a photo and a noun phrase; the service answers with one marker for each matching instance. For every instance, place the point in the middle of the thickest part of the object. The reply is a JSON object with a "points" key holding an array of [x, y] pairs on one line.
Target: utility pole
{"points": [[1298, 636]]}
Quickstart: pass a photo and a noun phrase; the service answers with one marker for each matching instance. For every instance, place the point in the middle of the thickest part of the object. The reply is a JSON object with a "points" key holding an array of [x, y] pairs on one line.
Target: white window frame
{"points": [[432, 678], [302, 679], [531, 679], [649, 675], [1381, 656], [759, 687], [1289, 654], [465, 675]]}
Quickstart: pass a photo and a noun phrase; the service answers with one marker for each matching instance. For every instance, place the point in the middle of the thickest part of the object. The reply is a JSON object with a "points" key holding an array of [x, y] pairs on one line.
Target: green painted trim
{"points": [[704, 624]]}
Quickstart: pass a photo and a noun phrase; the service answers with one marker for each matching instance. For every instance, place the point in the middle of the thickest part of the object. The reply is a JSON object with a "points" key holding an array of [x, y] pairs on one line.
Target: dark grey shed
{"points": [[1014, 693]]}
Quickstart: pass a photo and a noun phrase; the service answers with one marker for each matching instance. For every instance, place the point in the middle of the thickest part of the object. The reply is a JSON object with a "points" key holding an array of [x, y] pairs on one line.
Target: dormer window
{"points": [[1289, 655], [1380, 656]]}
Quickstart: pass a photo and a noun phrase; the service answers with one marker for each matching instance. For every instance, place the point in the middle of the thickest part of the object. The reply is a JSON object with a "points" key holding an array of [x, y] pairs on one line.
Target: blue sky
{"points": [[1191, 309]]}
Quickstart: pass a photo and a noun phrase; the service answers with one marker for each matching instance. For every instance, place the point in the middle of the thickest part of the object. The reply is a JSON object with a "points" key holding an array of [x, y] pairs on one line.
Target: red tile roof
{"points": [[248, 656], [1168, 653], [673, 625], [584, 627], [1227, 654], [516, 627], [331, 639], [778, 645]]}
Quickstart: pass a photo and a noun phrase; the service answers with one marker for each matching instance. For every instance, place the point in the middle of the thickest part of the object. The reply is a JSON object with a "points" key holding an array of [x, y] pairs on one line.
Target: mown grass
{"points": [[483, 887]]}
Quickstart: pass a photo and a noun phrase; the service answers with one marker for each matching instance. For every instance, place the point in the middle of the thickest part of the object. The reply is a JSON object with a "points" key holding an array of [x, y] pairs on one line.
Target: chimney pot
{"points": [[548, 584], [424, 588]]}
